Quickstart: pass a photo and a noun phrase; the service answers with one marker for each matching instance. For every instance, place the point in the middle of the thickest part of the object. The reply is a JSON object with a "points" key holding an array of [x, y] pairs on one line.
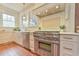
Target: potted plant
{"points": [[39, 28], [16, 29], [62, 27]]}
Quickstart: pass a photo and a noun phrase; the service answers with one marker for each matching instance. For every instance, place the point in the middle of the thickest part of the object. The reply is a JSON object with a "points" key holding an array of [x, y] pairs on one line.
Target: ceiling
{"points": [[49, 9], [14, 6], [19, 6]]}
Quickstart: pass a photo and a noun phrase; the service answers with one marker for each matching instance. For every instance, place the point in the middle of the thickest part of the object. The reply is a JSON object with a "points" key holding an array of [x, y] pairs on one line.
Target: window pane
{"points": [[5, 17], [13, 19], [8, 24], [25, 23], [5, 23], [9, 18], [33, 21], [8, 21]]}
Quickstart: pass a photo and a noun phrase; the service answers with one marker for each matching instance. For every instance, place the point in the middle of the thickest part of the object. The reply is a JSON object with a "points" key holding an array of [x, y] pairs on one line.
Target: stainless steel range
{"points": [[47, 43]]}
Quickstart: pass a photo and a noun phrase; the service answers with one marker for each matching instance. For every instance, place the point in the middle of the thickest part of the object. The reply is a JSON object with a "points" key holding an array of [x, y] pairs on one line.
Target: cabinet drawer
{"points": [[67, 48], [68, 37], [67, 44], [66, 54]]}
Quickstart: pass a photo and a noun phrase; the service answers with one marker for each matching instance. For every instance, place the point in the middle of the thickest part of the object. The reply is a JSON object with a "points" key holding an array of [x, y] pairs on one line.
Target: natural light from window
{"points": [[8, 20]]}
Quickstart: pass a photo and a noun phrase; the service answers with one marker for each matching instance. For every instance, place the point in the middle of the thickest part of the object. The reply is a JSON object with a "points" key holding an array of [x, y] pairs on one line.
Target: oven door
{"points": [[45, 46]]}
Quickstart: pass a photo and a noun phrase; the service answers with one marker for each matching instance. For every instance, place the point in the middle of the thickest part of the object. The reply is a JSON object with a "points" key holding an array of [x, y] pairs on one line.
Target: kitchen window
{"points": [[8, 20], [31, 22], [25, 21]]}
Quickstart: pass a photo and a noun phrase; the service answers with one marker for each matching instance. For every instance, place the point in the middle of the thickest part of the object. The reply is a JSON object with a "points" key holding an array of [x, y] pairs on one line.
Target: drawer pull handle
{"points": [[67, 38], [67, 48]]}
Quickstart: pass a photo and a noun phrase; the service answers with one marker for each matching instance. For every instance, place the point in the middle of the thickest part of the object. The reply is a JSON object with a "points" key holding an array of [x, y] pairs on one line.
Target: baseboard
{"points": [[6, 42]]}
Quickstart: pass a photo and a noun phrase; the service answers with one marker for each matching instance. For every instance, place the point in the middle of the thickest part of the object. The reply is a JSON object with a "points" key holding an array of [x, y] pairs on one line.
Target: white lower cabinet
{"points": [[69, 45]]}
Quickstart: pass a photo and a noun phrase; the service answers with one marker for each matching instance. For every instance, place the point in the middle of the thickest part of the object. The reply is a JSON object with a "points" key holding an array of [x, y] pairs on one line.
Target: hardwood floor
{"points": [[13, 49]]}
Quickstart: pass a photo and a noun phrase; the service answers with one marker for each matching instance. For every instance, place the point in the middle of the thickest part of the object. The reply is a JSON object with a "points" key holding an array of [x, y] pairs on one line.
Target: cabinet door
{"points": [[55, 49], [26, 40]]}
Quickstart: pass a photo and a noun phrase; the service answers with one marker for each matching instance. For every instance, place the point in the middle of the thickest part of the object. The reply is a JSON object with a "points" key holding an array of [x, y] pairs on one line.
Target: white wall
{"points": [[70, 18]]}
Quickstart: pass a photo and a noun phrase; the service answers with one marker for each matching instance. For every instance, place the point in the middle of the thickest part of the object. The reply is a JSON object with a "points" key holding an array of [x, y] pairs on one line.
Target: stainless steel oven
{"points": [[47, 43]]}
